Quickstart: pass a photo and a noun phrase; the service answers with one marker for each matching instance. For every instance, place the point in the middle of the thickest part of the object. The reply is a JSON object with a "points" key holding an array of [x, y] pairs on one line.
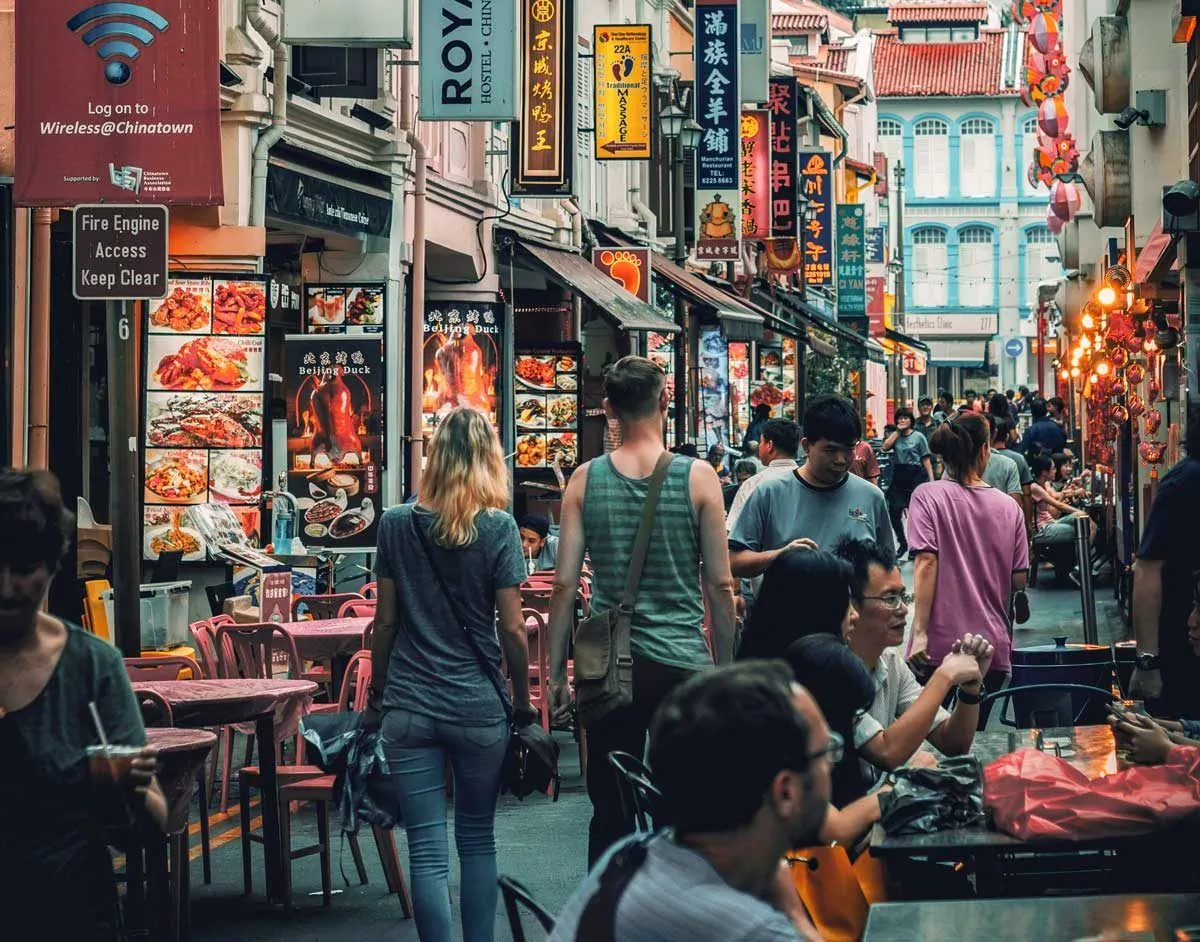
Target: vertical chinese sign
{"points": [[542, 141], [817, 234], [756, 169], [851, 268], [622, 93], [876, 291], [781, 104], [718, 110]]}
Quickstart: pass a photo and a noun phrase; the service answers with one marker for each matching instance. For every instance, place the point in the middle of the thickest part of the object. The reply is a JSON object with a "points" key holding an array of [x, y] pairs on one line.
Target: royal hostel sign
{"points": [[718, 111], [542, 138], [469, 60], [139, 120], [756, 168], [817, 235], [622, 86]]}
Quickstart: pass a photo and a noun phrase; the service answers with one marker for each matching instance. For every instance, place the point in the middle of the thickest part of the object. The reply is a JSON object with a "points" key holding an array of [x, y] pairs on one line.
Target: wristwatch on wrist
{"points": [[1147, 662], [969, 698]]}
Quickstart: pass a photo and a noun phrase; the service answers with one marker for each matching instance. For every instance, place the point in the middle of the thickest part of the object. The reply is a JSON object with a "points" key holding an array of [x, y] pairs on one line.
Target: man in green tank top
{"points": [[687, 559]]}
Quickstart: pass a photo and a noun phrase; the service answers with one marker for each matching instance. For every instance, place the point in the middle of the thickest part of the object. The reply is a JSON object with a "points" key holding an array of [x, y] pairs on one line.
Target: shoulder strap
{"points": [[598, 921], [637, 562], [488, 669]]}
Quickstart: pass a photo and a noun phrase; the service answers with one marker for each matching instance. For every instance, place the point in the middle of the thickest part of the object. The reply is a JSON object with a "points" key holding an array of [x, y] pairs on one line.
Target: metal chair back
{"points": [[641, 801], [515, 897], [1045, 706]]}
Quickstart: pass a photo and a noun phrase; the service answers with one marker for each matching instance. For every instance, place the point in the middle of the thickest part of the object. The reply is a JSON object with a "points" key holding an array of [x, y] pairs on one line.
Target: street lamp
{"points": [[670, 121], [690, 133]]}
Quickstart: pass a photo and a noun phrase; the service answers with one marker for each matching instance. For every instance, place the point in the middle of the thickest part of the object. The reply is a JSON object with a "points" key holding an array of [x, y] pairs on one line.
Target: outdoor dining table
{"points": [[274, 707], [1090, 749], [335, 640], [1152, 918]]}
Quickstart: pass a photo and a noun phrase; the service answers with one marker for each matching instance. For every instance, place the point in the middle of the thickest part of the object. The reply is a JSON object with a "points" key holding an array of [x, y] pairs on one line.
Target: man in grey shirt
{"points": [[1002, 432], [816, 506], [743, 758]]}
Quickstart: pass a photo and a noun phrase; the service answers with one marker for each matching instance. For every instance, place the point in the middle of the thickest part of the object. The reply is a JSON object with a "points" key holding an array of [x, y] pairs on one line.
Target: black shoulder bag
{"points": [[532, 762]]}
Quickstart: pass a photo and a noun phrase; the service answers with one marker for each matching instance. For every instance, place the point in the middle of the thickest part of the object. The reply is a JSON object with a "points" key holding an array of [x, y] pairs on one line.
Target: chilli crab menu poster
{"points": [[335, 417], [203, 416], [547, 404]]}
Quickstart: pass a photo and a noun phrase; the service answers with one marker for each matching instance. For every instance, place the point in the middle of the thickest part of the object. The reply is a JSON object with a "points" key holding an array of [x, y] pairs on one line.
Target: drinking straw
{"points": [[112, 770]]}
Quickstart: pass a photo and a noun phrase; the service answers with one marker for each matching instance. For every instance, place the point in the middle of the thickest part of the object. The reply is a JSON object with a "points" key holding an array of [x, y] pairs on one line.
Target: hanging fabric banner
{"points": [[718, 110], [755, 33]]}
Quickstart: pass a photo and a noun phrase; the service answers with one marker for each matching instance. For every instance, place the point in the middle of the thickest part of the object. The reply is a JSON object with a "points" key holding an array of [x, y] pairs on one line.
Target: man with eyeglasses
{"points": [[904, 713], [818, 504]]}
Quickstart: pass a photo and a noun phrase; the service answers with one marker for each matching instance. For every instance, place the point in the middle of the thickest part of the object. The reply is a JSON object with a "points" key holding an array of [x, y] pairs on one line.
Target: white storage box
{"points": [[164, 616]]}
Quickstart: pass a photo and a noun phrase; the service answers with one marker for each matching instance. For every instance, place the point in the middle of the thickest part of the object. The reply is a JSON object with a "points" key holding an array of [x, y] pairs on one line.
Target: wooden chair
{"points": [[170, 667], [320, 788]]}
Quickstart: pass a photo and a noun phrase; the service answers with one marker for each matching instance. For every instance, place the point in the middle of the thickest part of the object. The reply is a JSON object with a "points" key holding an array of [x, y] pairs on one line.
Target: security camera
{"points": [[1130, 116]]}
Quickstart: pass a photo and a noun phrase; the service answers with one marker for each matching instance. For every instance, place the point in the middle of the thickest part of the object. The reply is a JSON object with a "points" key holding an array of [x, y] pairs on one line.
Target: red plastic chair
{"points": [[370, 590], [322, 606], [358, 608], [161, 668], [202, 640]]}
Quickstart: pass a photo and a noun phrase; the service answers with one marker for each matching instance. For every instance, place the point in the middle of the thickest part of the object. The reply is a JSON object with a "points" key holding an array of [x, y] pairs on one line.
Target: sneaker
{"points": [[1021, 607]]}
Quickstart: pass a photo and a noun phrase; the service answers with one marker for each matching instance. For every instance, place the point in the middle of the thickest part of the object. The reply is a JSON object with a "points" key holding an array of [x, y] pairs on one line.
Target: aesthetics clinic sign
{"points": [[718, 111], [469, 62], [138, 121], [542, 142]]}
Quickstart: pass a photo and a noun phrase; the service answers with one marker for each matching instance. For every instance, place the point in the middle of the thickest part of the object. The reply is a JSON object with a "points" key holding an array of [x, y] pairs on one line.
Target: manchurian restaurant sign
{"points": [[542, 138], [468, 60], [139, 119], [718, 111]]}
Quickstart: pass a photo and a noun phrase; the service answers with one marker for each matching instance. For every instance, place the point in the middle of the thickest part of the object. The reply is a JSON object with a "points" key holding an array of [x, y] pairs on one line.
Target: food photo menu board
{"points": [[203, 409], [546, 399], [776, 386], [344, 308], [335, 422]]}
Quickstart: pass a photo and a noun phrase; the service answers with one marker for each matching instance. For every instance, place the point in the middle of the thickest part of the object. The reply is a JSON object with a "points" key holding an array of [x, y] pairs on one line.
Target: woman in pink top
{"points": [[971, 554]]}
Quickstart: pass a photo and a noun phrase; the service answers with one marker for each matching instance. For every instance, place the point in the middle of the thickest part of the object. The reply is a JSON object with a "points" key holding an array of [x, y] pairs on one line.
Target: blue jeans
{"points": [[416, 748]]}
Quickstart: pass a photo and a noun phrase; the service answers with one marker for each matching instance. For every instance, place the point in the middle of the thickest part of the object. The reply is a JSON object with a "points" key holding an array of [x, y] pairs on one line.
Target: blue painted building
{"points": [[974, 234]]}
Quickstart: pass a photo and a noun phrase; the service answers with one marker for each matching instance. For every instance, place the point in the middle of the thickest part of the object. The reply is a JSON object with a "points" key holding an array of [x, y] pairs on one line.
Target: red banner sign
{"points": [[628, 267], [876, 287], [756, 174], [118, 102]]}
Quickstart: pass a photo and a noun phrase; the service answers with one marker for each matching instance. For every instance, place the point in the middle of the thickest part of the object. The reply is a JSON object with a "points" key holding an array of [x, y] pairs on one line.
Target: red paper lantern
{"points": [[1136, 373], [1151, 421]]}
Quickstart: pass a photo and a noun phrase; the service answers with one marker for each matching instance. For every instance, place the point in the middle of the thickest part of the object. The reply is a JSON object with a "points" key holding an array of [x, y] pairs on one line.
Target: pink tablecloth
{"points": [[173, 739], [324, 638], [181, 754], [201, 703]]}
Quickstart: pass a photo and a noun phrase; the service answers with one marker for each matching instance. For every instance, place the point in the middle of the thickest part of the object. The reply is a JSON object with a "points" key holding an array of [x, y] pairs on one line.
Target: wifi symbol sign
{"points": [[118, 36]]}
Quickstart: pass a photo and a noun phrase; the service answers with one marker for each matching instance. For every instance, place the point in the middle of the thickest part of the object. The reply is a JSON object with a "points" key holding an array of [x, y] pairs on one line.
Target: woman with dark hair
{"points": [[971, 552], [55, 869], [804, 592], [911, 466]]}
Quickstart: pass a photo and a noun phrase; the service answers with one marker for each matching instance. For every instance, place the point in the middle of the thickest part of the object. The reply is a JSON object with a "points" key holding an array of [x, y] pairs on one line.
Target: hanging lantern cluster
{"points": [[1047, 75], [1116, 352]]}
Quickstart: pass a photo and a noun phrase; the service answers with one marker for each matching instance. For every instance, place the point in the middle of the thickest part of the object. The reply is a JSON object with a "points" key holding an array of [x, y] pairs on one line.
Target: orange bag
{"points": [[831, 893], [1033, 794]]}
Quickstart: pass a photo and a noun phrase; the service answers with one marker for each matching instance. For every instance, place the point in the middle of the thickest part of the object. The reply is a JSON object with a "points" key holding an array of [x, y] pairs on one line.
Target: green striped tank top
{"points": [[669, 614]]}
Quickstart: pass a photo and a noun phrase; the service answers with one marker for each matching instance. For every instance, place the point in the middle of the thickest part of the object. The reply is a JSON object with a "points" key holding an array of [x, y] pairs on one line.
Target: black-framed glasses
{"points": [[893, 600], [835, 749]]}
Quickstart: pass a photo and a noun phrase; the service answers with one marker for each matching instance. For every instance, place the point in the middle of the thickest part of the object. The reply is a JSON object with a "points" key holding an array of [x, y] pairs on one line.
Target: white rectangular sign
{"points": [[381, 23], [946, 325], [754, 43], [468, 60]]}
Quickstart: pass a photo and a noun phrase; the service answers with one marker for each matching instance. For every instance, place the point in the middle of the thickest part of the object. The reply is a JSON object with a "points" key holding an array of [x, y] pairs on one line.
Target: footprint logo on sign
{"points": [[116, 39]]}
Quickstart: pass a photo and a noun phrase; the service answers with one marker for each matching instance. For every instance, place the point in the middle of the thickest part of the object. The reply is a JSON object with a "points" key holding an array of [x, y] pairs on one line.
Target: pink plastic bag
{"points": [[1036, 795]]}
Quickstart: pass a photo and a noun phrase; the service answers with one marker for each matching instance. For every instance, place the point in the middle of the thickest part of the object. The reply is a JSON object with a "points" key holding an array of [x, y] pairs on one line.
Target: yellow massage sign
{"points": [[622, 59]]}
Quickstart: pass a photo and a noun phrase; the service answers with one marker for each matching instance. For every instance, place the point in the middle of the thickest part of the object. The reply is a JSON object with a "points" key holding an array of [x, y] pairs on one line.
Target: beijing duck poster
{"points": [[462, 359], [334, 387]]}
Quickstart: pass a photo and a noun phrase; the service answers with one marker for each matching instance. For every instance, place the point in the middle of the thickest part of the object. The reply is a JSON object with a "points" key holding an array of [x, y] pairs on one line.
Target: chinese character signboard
{"points": [[816, 236], [542, 139], [138, 121], [876, 288], [874, 243], [851, 268], [335, 420], [755, 33], [470, 71], [630, 268], [461, 359], [756, 168], [781, 104], [622, 89], [718, 110]]}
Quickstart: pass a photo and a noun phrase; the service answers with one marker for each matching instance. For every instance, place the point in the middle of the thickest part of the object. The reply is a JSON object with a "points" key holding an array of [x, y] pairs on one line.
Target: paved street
{"points": [[543, 844]]}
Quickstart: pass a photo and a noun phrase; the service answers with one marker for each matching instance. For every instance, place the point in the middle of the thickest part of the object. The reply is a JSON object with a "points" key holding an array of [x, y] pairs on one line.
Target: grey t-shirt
{"points": [[433, 669], [1023, 473], [1000, 473], [910, 449], [676, 894], [790, 508]]}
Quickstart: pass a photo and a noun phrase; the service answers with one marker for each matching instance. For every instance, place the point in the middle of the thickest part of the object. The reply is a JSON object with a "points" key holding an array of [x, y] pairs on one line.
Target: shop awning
{"points": [[614, 301], [738, 320], [906, 340], [971, 354], [1152, 260]]}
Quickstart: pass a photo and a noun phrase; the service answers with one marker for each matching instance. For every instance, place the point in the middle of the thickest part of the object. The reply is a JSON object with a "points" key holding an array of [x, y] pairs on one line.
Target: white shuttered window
{"points": [[1040, 247], [976, 286], [929, 262], [977, 157], [931, 158], [1028, 145]]}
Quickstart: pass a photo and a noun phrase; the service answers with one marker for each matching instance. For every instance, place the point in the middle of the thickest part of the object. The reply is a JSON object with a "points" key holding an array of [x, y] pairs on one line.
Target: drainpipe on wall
{"points": [[268, 138], [571, 208], [38, 448], [416, 346]]}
